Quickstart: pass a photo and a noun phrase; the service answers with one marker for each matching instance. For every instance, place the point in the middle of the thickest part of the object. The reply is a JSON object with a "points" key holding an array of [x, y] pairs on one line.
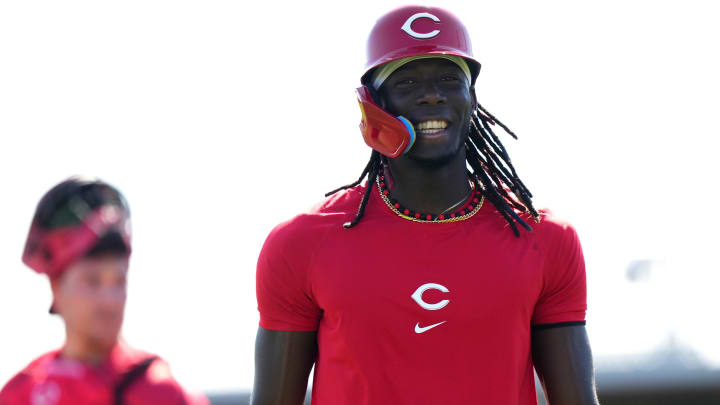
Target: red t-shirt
{"points": [[419, 313], [52, 380]]}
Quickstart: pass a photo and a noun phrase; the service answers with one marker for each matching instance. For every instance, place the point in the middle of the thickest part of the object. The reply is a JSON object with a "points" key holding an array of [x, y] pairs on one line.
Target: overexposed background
{"points": [[219, 119]]}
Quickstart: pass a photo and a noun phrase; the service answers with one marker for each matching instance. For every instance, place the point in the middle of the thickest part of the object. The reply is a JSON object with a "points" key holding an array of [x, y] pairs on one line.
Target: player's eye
{"points": [[405, 82]]}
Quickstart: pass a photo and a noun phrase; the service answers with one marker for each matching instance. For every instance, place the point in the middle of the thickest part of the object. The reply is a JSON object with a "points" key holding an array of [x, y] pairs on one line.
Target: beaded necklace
{"points": [[467, 210]]}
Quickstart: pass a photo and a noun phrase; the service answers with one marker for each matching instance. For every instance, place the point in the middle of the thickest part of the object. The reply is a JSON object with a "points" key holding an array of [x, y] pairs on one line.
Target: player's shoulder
{"points": [[342, 201], [551, 222], [155, 375], [20, 383], [157, 385], [326, 216], [126, 357], [551, 228], [24, 380], [40, 363]]}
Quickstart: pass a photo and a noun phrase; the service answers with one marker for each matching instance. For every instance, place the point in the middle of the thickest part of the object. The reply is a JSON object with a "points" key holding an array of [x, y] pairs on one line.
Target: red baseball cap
{"points": [[69, 221]]}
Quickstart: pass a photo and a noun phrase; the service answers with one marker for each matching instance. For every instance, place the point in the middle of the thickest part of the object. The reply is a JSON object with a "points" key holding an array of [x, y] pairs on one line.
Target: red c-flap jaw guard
{"points": [[389, 135]]}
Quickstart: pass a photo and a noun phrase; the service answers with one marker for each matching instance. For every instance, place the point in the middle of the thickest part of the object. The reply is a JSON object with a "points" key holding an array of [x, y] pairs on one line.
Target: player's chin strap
{"points": [[130, 377]]}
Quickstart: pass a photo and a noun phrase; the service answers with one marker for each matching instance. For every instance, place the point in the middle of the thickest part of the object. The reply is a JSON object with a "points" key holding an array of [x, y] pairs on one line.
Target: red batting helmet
{"points": [[417, 30]]}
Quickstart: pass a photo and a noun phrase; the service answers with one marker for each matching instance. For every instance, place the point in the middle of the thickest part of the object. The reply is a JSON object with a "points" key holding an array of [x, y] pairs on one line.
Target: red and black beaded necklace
{"points": [[465, 211]]}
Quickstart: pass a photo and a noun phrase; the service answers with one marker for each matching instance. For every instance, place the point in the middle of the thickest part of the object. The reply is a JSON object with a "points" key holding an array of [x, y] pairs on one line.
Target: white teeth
{"points": [[432, 124]]}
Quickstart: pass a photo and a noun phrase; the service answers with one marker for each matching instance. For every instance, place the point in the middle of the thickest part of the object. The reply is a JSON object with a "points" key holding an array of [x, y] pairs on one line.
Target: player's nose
{"points": [[430, 94]]}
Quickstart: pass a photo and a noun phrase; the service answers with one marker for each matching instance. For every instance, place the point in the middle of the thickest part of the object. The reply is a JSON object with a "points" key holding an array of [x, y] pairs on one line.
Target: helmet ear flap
{"points": [[375, 96]]}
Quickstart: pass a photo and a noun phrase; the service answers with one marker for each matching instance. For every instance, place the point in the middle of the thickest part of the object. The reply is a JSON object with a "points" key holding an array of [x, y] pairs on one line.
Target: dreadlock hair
{"points": [[491, 166]]}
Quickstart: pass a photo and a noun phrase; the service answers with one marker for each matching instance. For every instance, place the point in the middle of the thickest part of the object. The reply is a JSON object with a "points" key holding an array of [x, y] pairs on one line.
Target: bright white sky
{"points": [[219, 119]]}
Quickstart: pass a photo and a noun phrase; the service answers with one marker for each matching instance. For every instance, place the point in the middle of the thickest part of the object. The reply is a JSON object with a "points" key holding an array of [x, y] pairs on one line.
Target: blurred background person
{"points": [[80, 238]]}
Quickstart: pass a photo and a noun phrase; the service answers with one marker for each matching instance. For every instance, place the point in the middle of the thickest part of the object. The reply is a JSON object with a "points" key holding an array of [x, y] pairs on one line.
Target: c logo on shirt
{"points": [[417, 296], [407, 27]]}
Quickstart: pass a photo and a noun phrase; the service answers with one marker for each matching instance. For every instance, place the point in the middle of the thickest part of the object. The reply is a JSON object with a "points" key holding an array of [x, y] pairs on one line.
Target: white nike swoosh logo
{"points": [[419, 329]]}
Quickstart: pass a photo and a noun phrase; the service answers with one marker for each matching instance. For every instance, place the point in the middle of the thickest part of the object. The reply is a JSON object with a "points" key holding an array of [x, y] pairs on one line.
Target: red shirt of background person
{"points": [[437, 281], [80, 238]]}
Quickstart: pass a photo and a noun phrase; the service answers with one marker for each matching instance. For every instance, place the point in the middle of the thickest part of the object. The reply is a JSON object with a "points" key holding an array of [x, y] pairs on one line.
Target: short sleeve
{"points": [[563, 299], [16, 391], [283, 289]]}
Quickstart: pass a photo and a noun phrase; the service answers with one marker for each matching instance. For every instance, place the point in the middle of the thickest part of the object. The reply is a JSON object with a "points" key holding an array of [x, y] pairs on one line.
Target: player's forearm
{"points": [[278, 390], [276, 398], [283, 361], [570, 393], [276, 387], [563, 361]]}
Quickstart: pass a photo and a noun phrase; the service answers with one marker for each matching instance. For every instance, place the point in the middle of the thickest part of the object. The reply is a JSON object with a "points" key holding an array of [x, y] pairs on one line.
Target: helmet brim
{"points": [[473, 64]]}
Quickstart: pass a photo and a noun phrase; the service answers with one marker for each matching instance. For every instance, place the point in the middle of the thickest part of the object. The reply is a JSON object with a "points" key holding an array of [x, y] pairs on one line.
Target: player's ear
{"points": [[473, 97]]}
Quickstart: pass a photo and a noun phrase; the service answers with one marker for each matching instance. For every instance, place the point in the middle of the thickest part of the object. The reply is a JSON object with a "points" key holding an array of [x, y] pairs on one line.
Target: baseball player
{"points": [[436, 281], [80, 239]]}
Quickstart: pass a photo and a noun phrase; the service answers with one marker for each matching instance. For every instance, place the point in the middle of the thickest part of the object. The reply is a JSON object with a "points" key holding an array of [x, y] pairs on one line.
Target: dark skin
{"points": [[430, 178], [563, 362], [283, 361]]}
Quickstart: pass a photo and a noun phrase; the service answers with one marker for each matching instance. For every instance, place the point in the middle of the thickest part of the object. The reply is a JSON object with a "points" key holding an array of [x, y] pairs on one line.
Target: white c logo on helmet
{"points": [[407, 27], [417, 296]]}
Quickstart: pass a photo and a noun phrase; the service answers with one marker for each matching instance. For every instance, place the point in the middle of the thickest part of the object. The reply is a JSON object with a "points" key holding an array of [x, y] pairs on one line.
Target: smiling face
{"points": [[435, 95]]}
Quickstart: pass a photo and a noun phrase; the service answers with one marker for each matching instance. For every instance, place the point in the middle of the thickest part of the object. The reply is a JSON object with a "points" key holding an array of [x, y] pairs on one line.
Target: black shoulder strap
{"points": [[129, 377]]}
